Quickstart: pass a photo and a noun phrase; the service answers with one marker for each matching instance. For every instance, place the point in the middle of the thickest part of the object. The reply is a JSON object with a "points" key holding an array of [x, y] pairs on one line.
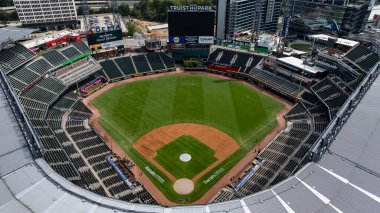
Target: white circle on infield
{"points": [[185, 157]]}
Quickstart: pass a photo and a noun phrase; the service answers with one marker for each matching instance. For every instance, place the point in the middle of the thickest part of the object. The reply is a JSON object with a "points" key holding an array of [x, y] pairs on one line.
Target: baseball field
{"points": [[190, 127]]}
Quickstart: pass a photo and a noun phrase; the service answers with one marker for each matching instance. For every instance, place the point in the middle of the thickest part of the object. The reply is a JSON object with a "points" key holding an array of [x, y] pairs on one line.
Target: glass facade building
{"points": [[316, 16], [237, 16]]}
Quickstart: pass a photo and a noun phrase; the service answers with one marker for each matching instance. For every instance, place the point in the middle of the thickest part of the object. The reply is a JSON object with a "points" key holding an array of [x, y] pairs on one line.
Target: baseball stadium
{"points": [[140, 131]]}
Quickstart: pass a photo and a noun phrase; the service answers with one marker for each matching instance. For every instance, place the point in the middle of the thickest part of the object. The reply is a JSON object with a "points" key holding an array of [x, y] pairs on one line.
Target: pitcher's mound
{"points": [[183, 186], [185, 157]]}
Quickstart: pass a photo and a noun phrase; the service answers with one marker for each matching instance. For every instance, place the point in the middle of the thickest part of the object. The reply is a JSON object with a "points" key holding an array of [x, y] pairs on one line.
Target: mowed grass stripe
{"points": [[129, 111], [158, 106], [202, 157], [219, 110], [188, 100], [121, 104], [253, 110]]}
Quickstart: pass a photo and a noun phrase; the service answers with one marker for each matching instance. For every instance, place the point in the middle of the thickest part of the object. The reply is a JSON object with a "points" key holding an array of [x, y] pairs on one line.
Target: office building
{"points": [[239, 16], [48, 14], [315, 17]]}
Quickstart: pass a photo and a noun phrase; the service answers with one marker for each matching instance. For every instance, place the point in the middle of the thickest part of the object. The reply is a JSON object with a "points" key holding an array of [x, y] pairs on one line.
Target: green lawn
{"points": [[202, 157], [131, 110], [301, 47]]}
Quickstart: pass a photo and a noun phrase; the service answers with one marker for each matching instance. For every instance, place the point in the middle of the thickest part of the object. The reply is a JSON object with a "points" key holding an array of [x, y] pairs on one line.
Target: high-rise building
{"points": [[238, 16], [46, 13], [314, 17]]}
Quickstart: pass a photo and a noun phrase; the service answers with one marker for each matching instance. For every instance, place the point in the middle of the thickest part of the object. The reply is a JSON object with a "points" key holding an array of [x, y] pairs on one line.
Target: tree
{"points": [[80, 10], [91, 11], [6, 3], [131, 27], [124, 10], [156, 10], [5, 16], [135, 13]]}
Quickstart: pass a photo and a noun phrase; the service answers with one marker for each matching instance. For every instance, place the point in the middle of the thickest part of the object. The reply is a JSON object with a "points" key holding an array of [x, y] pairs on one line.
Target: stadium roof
{"points": [[365, 37], [14, 33], [47, 38], [341, 41], [345, 180], [157, 27], [299, 63]]}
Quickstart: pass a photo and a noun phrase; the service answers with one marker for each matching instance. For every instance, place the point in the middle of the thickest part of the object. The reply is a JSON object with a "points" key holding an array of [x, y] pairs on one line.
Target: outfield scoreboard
{"points": [[104, 37], [191, 25]]}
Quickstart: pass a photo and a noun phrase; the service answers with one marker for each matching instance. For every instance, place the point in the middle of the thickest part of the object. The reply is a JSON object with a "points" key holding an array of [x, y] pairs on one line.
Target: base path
{"points": [[220, 142], [235, 171]]}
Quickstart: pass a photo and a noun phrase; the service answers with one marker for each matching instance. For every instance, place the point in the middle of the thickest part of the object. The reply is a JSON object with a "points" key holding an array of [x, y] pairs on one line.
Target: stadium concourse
{"points": [[325, 160]]}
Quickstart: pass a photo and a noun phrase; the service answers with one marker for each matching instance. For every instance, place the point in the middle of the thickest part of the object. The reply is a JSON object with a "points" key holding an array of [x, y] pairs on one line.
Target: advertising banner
{"points": [[191, 39], [103, 37], [205, 39], [112, 44], [177, 40]]}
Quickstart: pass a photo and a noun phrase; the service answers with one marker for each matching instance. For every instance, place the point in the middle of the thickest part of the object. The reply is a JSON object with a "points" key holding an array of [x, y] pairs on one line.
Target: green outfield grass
{"points": [[131, 110], [301, 47], [202, 157]]}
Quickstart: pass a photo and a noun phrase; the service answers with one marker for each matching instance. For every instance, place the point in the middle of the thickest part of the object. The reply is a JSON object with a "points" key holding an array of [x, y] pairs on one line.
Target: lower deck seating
{"points": [[141, 63], [155, 61], [168, 61], [111, 70], [126, 65]]}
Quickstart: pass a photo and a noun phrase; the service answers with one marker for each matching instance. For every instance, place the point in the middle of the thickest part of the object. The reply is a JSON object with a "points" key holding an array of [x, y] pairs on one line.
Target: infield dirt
{"points": [[220, 142]]}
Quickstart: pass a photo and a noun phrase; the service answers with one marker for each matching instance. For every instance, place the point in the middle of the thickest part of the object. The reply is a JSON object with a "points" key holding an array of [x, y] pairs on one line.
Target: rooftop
{"points": [[14, 33], [341, 41], [46, 37], [298, 63]]}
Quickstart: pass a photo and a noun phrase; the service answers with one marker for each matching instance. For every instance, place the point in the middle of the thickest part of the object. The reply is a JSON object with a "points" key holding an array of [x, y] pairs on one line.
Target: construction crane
{"points": [[283, 33], [256, 25]]}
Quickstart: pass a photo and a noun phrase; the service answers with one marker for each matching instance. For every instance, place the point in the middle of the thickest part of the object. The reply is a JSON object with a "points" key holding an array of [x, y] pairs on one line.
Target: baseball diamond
{"points": [[217, 121]]}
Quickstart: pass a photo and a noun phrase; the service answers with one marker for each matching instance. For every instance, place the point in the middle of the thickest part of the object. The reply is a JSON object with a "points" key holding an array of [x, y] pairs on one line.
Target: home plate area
{"points": [[183, 186], [185, 152]]}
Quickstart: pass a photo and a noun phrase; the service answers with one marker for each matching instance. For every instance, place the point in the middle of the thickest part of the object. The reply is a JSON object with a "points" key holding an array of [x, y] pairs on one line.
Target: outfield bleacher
{"points": [[214, 55], [169, 63], [245, 61], [111, 70], [126, 65], [155, 61], [129, 66], [141, 63]]}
